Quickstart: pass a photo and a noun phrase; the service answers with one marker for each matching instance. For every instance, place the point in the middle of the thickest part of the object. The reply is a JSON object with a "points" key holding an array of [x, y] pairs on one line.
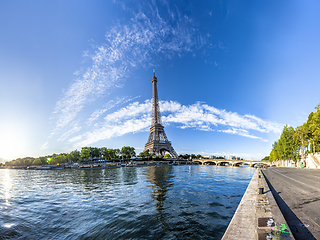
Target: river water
{"points": [[152, 202]]}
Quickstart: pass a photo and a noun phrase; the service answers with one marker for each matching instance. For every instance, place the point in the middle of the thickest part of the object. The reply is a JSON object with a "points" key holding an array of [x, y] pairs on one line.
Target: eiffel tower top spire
{"points": [[156, 117]]}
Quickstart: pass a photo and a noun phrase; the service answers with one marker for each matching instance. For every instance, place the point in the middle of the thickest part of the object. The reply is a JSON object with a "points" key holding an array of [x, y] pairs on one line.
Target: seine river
{"points": [[152, 202]]}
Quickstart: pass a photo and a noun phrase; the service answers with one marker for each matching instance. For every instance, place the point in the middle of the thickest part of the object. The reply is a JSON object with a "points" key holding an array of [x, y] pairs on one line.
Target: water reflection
{"points": [[5, 187], [153, 202], [161, 181], [129, 175]]}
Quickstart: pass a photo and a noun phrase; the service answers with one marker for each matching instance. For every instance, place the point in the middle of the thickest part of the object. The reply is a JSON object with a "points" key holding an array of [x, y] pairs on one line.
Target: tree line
{"points": [[91, 153], [189, 156], [86, 153], [301, 140], [146, 154]]}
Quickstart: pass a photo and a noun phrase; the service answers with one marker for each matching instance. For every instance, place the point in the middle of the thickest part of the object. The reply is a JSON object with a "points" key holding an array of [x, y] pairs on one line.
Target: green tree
{"points": [[287, 147], [94, 152], [28, 162], [290, 149], [58, 159], [37, 161], [113, 153], [314, 127], [167, 155], [272, 157], [104, 153], [43, 160], [185, 156], [275, 151], [85, 153], [128, 152], [74, 156], [302, 135], [145, 154]]}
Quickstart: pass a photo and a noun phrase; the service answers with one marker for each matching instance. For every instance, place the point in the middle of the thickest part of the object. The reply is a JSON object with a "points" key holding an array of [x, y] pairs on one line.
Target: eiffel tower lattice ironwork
{"points": [[158, 142]]}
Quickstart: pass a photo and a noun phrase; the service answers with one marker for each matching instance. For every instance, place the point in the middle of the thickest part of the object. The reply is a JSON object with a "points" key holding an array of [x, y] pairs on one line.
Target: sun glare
{"points": [[6, 186], [12, 142]]}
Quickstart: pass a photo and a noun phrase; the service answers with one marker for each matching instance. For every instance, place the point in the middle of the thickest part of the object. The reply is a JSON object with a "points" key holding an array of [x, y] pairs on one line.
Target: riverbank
{"points": [[100, 164], [297, 193], [258, 215]]}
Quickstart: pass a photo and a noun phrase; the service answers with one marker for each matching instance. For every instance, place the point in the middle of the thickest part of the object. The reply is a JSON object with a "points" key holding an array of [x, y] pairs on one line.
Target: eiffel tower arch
{"points": [[158, 142]]}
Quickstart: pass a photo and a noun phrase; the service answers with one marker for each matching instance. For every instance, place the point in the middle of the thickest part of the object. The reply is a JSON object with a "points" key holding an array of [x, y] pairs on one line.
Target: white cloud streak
{"points": [[136, 117], [44, 146], [127, 47], [132, 46], [111, 104]]}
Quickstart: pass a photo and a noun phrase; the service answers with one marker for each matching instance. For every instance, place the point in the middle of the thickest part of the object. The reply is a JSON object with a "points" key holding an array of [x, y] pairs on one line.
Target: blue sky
{"points": [[230, 74]]}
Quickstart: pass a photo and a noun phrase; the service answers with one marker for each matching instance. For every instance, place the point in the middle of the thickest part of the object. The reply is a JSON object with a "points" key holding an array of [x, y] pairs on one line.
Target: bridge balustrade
{"points": [[224, 162]]}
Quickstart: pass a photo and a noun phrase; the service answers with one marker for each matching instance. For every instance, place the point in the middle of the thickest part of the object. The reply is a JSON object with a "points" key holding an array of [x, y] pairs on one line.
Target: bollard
{"points": [[260, 190]]}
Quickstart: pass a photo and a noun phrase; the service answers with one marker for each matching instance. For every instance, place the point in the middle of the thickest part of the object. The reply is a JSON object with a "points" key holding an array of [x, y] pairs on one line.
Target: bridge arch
{"points": [[237, 164], [210, 163], [223, 163], [262, 164], [198, 161]]}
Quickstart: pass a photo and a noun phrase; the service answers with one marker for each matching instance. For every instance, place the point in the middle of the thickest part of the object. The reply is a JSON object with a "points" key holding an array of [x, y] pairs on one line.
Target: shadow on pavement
{"points": [[299, 231]]}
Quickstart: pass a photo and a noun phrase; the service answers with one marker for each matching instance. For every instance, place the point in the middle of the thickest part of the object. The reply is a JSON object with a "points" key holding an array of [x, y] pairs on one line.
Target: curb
{"points": [[258, 215], [243, 224], [268, 208]]}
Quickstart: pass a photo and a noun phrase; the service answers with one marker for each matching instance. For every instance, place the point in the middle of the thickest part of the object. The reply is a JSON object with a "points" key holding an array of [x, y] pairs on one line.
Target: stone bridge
{"points": [[224, 162]]}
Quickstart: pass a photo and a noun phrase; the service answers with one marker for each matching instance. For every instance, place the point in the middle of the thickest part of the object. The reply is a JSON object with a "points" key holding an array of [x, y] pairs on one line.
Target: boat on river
{"points": [[48, 167], [99, 165]]}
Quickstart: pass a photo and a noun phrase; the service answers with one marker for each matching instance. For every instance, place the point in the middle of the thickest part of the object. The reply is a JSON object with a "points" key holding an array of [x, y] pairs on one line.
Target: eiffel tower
{"points": [[158, 142]]}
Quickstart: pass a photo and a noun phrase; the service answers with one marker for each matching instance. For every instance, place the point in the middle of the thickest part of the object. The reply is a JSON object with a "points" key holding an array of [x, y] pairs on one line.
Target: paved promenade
{"points": [[258, 215], [297, 192]]}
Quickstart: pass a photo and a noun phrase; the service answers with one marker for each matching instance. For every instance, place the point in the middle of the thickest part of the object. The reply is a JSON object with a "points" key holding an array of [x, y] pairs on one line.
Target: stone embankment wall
{"points": [[258, 215], [311, 161]]}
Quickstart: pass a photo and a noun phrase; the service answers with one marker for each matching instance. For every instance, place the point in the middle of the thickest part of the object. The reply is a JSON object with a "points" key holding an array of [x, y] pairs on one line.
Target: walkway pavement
{"points": [[297, 192], [258, 215]]}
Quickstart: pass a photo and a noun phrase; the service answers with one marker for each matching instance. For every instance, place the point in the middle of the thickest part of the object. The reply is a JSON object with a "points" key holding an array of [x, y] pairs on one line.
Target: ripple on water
{"points": [[9, 231], [156, 202]]}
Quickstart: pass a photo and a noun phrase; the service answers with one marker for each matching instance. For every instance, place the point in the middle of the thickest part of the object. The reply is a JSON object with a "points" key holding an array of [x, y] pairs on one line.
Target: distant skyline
{"points": [[230, 74]]}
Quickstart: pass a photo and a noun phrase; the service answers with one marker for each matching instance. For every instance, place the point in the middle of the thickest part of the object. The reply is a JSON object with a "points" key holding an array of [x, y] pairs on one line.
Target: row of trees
{"points": [[188, 156], [146, 154], [107, 153], [86, 153], [302, 140], [91, 153], [198, 156]]}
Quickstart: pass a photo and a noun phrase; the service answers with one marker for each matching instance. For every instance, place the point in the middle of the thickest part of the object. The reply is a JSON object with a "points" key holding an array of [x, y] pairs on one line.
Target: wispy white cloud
{"points": [[131, 46], [127, 46], [204, 117], [73, 129], [136, 117], [241, 132], [111, 104], [44, 146]]}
